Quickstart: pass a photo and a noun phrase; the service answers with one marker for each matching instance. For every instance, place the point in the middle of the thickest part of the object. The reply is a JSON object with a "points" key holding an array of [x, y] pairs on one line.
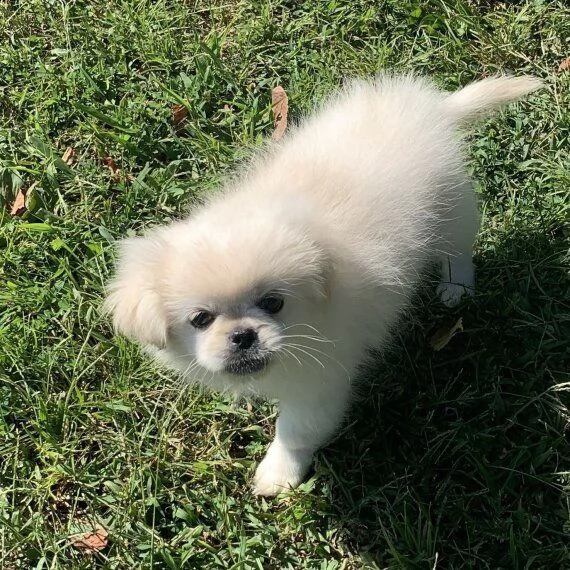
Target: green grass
{"points": [[452, 459]]}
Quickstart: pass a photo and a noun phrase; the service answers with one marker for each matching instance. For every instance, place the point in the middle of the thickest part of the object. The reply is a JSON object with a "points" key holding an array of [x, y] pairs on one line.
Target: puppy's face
{"points": [[238, 336], [241, 344], [229, 302]]}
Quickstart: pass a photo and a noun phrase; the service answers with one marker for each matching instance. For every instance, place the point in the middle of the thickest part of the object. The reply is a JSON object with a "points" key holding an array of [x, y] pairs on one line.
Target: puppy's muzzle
{"points": [[246, 356]]}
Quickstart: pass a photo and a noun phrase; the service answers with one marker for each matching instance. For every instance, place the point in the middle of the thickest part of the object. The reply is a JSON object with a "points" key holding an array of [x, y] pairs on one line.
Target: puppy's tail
{"points": [[478, 99]]}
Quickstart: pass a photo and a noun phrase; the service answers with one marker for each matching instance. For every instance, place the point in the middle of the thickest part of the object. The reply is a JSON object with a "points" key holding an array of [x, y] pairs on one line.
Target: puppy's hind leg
{"points": [[459, 232]]}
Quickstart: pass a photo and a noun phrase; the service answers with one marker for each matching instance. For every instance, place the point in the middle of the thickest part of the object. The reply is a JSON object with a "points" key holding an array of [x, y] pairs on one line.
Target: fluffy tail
{"points": [[480, 98]]}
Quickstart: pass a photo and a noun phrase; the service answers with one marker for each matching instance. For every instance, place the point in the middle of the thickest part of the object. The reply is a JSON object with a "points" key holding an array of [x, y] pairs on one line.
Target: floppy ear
{"points": [[133, 295]]}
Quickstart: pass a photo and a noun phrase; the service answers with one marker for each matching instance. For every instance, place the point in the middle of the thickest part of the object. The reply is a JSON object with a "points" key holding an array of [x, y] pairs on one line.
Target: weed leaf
{"points": [[105, 119]]}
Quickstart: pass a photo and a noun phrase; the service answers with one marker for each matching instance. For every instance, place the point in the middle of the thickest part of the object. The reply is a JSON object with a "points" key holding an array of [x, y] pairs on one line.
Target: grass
{"points": [[452, 459]]}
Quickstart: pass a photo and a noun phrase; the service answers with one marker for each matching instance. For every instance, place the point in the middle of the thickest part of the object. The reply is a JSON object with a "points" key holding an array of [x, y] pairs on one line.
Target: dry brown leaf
{"points": [[443, 335], [68, 156], [116, 173], [179, 115], [97, 539], [19, 204], [279, 104], [113, 168], [564, 65], [111, 165]]}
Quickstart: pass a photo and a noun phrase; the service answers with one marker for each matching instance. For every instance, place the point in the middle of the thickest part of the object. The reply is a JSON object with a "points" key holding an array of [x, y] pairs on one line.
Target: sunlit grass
{"points": [[451, 459]]}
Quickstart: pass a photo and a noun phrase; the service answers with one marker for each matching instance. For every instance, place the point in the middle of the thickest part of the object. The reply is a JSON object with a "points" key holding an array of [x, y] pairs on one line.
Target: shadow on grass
{"points": [[454, 457]]}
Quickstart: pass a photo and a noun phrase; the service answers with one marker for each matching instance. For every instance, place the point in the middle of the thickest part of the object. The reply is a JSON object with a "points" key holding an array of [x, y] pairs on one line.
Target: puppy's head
{"points": [[222, 296]]}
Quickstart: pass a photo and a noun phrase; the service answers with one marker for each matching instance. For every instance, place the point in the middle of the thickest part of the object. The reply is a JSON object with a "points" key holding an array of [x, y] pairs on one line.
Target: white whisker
{"points": [[318, 332], [300, 348], [329, 356], [309, 337], [290, 353]]}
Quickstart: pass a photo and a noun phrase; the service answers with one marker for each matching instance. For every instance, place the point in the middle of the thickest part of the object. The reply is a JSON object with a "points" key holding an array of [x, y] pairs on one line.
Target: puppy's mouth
{"points": [[246, 365]]}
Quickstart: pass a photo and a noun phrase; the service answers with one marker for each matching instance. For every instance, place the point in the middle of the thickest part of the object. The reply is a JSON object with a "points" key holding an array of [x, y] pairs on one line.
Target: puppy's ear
{"points": [[133, 295]]}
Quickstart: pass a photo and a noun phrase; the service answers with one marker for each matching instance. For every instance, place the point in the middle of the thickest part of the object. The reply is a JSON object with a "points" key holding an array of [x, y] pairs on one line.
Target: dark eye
{"points": [[201, 319], [271, 303]]}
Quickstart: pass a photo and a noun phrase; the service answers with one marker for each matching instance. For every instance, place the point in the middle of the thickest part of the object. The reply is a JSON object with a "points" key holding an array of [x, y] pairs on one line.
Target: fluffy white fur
{"points": [[340, 218]]}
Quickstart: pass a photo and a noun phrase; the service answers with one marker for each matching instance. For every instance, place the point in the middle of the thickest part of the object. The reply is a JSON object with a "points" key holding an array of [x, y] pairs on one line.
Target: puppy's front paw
{"points": [[280, 470]]}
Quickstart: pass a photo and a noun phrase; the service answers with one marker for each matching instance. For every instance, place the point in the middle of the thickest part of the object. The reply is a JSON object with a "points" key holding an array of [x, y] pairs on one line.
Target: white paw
{"points": [[451, 293], [280, 470]]}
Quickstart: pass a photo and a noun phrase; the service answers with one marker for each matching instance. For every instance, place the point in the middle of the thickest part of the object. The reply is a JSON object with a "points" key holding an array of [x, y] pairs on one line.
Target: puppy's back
{"points": [[383, 163]]}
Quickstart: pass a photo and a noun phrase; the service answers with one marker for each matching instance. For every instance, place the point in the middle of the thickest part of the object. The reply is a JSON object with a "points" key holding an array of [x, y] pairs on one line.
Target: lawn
{"points": [[457, 458]]}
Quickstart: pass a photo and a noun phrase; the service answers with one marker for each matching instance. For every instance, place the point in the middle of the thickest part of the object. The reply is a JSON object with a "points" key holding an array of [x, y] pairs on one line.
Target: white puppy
{"points": [[282, 281]]}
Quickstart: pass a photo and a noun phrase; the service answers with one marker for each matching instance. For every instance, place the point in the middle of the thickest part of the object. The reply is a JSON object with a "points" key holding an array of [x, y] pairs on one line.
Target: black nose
{"points": [[243, 338]]}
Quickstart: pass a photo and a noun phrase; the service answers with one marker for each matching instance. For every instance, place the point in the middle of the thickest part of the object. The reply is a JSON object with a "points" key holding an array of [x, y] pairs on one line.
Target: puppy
{"points": [[282, 281]]}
